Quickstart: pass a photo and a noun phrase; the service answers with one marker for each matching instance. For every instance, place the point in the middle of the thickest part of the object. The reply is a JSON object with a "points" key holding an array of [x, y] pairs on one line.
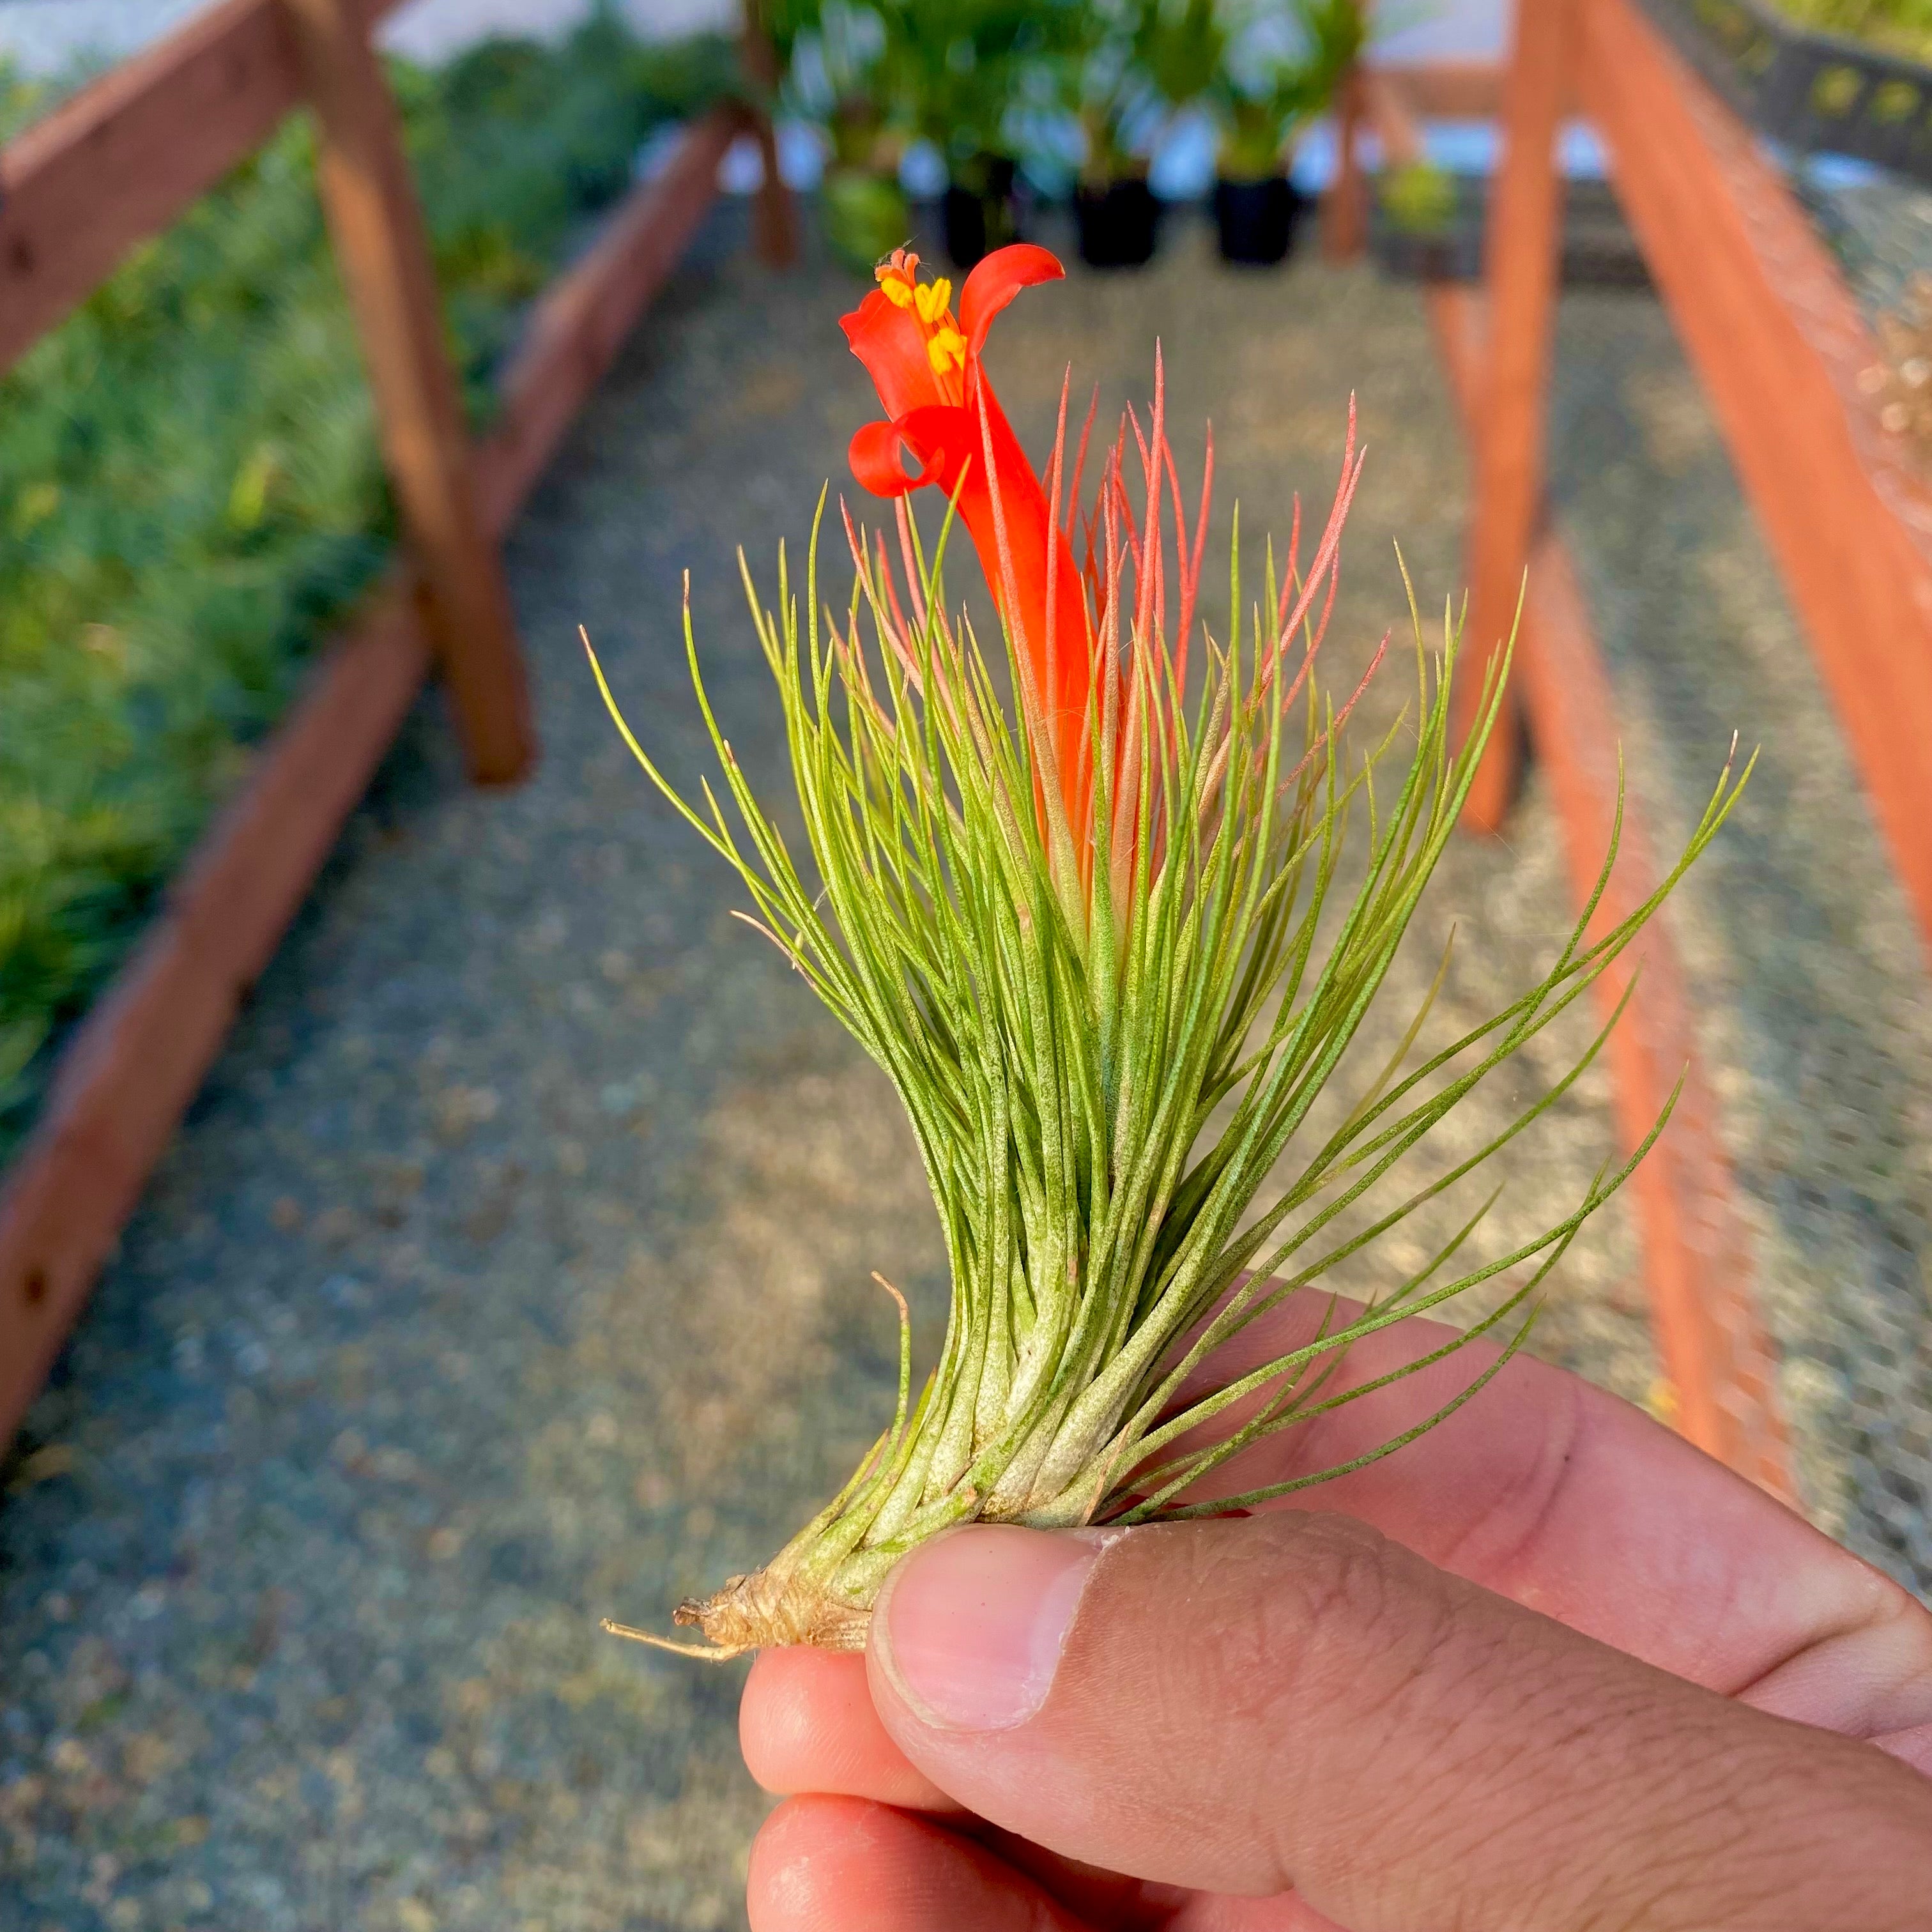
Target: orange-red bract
{"points": [[950, 421]]}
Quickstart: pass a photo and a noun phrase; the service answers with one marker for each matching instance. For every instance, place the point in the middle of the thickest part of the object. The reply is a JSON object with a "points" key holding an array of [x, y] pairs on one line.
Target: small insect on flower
{"points": [[1096, 940]]}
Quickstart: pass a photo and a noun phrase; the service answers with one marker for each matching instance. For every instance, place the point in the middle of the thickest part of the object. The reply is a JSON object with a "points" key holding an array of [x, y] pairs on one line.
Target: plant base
{"points": [[763, 1610]]}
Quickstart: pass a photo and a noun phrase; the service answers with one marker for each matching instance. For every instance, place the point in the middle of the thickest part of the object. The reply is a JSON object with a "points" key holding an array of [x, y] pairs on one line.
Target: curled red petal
{"points": [[876, 460], [888, 340], [994, 282], [943, 436]]}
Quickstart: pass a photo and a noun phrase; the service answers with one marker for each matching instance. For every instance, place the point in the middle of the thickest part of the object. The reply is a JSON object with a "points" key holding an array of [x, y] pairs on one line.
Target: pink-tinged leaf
{"points": [[915, 589], [1080, 466], [1327, 551], [1190, 578]]}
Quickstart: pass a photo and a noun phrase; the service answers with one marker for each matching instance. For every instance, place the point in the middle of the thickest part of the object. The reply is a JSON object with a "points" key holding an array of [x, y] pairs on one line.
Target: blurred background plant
{"points": [[840, 77], [1282, 62], [1280, 68], [958, 67], [189, 490], [1419, 197], [1899, 26], [962, 72], [1138, 63]]}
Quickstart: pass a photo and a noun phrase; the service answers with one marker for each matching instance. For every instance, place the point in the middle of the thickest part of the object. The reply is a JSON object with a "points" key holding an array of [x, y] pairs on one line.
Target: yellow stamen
{"points": [[898, 275], [947, 351], [935, 299]]}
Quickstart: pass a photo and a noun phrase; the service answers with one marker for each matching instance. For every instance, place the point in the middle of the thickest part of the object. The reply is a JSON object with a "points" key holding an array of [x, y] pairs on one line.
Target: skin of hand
{"points": [[1550, 1667]]}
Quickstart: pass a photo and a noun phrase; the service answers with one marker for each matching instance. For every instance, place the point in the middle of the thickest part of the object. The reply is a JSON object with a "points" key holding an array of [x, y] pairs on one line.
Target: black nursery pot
{"points": [[1117, 224], [978, 211], [1256, 219]]}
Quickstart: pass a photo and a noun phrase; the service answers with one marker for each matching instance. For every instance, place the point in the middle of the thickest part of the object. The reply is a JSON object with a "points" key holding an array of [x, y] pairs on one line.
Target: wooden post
{"points": [[1344, 207], [1784, 352], [1521, 271], [382, 248], [774, 213]]}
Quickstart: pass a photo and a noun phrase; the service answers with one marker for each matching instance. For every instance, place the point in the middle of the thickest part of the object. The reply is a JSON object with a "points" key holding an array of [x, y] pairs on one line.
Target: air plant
{"points": [[1097, 940]]}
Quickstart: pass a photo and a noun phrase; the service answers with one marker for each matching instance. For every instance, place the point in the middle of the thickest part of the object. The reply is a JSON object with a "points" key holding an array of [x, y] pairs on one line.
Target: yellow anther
{"points": [[934, 299], [898, 275], [947, 351]]}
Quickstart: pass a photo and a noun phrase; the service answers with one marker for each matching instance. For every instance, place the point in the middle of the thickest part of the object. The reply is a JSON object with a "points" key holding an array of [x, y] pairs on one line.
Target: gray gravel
{"points": [[1879, 228], [1810, 972], [512, 1269]]}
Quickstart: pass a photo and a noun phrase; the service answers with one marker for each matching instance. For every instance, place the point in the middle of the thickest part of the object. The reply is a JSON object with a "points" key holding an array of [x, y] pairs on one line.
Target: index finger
{"points": [[1548, 1490]]}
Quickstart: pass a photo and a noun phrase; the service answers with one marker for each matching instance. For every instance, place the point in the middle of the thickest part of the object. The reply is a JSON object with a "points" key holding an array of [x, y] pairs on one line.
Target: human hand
{"points": [[1553, 1669]]}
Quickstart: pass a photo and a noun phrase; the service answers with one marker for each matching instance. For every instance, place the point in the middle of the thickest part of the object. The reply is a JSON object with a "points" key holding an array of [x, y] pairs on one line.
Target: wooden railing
{"points": [[111, 166], [1767, 322]]}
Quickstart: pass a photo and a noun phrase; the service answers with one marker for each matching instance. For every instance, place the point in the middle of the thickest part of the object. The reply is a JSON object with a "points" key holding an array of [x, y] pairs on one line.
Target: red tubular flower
{"points": [[942, 410]]}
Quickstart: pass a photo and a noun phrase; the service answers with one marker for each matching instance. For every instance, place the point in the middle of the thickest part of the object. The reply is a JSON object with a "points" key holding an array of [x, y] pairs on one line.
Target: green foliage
{"points": [[1899, 26], [955, 67], [1140, 60], [839, 77], [1181, 46], [966, 74], [1284, 60], [1262, 66], [1420, 197], [865, 215], [783, 22], [876, 73], [190, 490], [22, 101]]}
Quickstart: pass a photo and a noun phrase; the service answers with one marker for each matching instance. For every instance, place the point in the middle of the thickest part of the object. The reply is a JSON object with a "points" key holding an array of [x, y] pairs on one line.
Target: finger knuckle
{"points": [[1329, 1616]]}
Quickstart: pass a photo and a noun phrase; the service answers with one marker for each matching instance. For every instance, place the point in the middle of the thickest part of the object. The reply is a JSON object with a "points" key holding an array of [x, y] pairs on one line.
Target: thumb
{"points": [[1293, 1702]]}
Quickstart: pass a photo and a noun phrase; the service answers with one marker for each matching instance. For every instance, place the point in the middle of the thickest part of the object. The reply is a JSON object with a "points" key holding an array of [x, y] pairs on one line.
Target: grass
{"points": [[190, 489]]}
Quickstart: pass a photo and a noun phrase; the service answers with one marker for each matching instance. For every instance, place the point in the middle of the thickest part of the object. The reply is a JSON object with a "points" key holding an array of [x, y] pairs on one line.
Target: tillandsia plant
{"points": [[1095, 937]]}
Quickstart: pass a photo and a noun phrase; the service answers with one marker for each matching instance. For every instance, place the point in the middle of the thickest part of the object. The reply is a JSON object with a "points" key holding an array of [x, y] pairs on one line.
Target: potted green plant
{"points": [[1136, 63], [1282, 66], [954, 67], [1428, 224], [839, 77]]}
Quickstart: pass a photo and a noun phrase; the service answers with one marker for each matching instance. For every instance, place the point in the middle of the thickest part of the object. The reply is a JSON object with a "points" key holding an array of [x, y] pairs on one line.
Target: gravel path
{"points": [[1809, 974], [512, 1269]]}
